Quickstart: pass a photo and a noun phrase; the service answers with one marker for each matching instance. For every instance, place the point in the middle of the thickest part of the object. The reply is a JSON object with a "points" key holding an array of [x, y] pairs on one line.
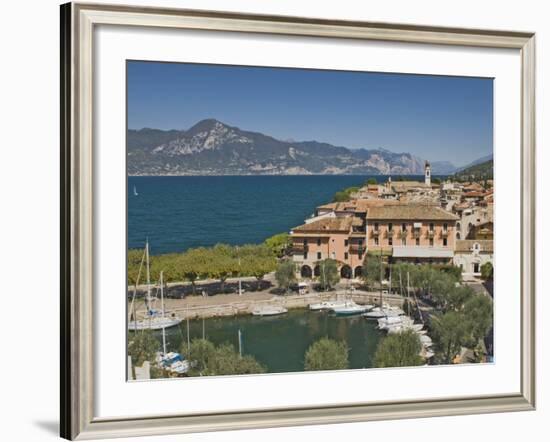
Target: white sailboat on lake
{"points": [[135, 191]]}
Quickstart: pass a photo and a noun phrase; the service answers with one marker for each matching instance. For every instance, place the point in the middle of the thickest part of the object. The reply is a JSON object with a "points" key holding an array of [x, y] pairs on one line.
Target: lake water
{"points": [[280, 342], [177, 213]]}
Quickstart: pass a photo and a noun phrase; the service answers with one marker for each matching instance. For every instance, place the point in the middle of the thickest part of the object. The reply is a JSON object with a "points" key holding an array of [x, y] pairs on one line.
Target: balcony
{"points": [[444, 233], [375, 231], [300, 248], [431, 233], [416, 233]]}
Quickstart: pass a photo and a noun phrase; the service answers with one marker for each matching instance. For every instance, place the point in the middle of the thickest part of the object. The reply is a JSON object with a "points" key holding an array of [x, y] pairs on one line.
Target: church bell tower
{"points": [[427, 174]]}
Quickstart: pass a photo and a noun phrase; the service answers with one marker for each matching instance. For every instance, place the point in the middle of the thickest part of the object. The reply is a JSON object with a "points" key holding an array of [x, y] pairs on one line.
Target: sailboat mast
{"points": [[381, 291], [162, 306], [148, 274]]}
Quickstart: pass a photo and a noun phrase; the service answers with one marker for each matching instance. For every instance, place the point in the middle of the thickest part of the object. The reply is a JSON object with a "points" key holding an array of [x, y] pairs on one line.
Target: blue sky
{"points": [[435, 118]]}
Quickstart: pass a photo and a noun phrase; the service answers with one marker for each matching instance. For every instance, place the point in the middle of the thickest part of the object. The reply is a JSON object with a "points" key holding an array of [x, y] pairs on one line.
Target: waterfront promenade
{"points": [[197, 306]]}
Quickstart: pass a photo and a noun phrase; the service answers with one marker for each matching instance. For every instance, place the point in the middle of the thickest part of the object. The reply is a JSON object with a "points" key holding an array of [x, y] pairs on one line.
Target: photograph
{"points": [[291, 220]]}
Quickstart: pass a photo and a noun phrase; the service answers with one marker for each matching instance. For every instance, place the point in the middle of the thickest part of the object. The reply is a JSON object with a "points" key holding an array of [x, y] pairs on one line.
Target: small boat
{"points": [[327, 305], [350, 308], [269, 310], [385, 312], [135, 191], [153, 322], [394, 321], [173, 362], [154, 319]]}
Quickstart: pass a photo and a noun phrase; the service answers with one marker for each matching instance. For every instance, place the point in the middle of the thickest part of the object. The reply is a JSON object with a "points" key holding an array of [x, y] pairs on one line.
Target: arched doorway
{"points": [[305, 271], [345, 272], [316, 271], [358, 272]]}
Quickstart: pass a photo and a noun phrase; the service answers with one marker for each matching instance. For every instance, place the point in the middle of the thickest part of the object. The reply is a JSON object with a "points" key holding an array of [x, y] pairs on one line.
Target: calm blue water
{"points": [[177, 213]]}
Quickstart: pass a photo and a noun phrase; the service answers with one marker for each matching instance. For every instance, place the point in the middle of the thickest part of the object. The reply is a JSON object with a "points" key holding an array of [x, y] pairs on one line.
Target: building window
{"points": [[361, 243], [431, 242], [333, 255], [476, 267], [318, 241], [318, 255], [445, 242], [346, 242], [346, 255], [404, 227], [431, 227], [375, 226], [360, 256], [305, 241], [375, 241], [445, 227], [417, 241], [305, 255], [390, 227], [390, 241]]}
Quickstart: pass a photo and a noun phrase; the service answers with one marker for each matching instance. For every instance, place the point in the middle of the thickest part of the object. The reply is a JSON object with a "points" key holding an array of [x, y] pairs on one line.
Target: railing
{"points": [[299, 248]]}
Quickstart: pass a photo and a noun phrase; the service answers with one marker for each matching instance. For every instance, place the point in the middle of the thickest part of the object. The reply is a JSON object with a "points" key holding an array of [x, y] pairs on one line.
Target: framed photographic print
{"points": [[272, 221]]}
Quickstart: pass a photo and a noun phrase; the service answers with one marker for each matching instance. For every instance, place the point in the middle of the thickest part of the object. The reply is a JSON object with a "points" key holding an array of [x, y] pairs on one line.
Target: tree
{"points": [[326, 354], [373, 268], [399, 350], [450, 333], [285, 275], [478, 311], [487, 271], [279, 244], [143, 347], [372, 181], [328, 273], [344, 195], [193, 265], [222, 263], [134, 259], [436, 181], [258, 266], [211, 360]]}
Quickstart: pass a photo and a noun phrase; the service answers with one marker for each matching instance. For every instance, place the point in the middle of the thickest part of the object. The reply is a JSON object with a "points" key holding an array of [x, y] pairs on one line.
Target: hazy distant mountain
{"points": [[213, 148], [478, 161], [443, 167], [478, 171]]}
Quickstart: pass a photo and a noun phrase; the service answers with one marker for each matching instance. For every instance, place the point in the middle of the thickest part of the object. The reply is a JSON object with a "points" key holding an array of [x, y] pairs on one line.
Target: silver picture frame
{"points": [[78, 21]]}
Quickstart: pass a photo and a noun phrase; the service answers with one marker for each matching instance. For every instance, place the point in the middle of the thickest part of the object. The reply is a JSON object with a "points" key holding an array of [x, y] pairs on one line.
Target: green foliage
{"points": [[372, 181], [463, 326], [478, 311], [478, 172], [285, 274], [436, 181], [326, 354], [328, 273], [211, 360], [399, 350], [374, 268], [143, 347], [487, 271], [219, 262], [344, 195], [279, 244], [450, 332]]}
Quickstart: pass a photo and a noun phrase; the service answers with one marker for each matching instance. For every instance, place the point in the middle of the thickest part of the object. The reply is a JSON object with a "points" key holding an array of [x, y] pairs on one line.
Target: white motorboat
{"points": [[154, 322], [394, 321], [350, 308], [384, 312], [269, 310], [327, 305]]}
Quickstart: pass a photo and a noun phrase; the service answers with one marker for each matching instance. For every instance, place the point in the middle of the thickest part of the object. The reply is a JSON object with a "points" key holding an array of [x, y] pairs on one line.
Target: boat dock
{"points": [[195, 307]]}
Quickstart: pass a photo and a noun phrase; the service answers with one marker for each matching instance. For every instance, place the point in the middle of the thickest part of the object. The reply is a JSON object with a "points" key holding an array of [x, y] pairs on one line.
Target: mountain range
{"points": [[211, 147]]}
